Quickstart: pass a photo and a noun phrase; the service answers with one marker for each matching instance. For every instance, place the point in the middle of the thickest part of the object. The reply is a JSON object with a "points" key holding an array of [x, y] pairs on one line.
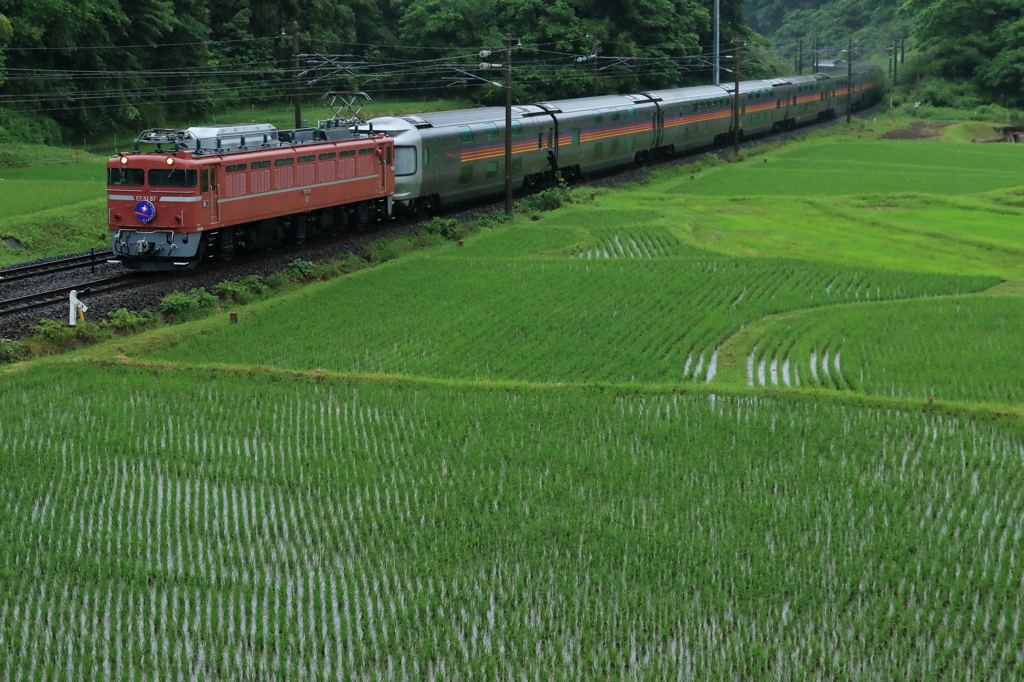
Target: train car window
{"points": [[517, 165], [517, 128], [284, 162], [575, 135], [426, 157], [387, 155], [630, 113], [304, 159], [128, 177], [466, 175], [366, 150], [405, 160], [615, 146], [347, 152], [598, 149], [466, 134], [172, 177], [261, 164], [328, 155], [540, 140], [204, 180], [598, 118], [235, 167], [492, 169], [615, 115], [492, 131], [630, 144]]}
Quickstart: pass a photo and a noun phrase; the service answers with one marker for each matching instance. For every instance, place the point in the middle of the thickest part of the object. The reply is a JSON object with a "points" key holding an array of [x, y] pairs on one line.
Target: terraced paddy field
{"points": [[647, 436]]}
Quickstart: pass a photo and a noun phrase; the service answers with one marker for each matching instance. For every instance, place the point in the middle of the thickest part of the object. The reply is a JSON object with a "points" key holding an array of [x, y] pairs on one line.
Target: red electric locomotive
{"points": [[208, 193]]}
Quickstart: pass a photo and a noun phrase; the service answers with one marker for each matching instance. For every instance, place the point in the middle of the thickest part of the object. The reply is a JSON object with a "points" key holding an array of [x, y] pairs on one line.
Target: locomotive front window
{"points": [[131, 177], [174, 177], [405, 160]]}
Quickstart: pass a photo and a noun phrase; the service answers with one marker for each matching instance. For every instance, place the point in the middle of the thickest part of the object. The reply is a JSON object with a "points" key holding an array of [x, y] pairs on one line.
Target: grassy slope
{"points": [[51, 202]]}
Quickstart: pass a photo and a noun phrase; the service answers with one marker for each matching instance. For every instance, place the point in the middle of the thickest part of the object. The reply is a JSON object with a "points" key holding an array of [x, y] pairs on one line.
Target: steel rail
{"points": [[60, 295], [59, 265]]}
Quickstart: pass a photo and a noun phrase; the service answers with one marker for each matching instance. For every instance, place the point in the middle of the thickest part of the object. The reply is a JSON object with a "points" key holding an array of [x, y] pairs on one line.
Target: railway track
{"points": [[60, 295], [59, 265]]}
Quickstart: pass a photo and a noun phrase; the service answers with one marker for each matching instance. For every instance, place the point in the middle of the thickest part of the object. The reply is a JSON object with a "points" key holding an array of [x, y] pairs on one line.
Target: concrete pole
{"points": [[295, 76], [508, 125], [718, 41]]}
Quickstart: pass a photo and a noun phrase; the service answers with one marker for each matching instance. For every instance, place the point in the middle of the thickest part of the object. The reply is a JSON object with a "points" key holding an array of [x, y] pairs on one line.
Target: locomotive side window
{"points": [[260, 164], [131, 177], [347, 152], [328, 155], [283, 162], [235, 167], [304, 159], [174, 177], [204, 180], [366, 150], [405, 159]]}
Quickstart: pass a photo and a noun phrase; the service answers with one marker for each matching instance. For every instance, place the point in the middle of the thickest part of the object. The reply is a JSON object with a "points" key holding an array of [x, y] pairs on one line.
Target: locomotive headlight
{"points": [[170, 160], [124, 159]]}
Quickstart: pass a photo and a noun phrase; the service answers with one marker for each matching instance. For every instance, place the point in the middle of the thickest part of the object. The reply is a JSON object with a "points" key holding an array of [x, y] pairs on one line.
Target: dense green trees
{"points": [[93, 65], [975, 46], [965, 53]]}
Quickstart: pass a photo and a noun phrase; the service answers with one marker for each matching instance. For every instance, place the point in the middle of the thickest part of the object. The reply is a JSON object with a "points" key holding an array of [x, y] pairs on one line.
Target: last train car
{"points": [[209, 193]]}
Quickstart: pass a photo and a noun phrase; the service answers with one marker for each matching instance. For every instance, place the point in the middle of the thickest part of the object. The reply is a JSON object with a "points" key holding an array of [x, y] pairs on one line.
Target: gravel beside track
{"points": [[152, 287]]}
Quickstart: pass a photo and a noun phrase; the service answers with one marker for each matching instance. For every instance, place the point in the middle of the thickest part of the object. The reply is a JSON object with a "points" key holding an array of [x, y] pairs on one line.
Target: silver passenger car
{"points": [[448, 157], [454, 156]]}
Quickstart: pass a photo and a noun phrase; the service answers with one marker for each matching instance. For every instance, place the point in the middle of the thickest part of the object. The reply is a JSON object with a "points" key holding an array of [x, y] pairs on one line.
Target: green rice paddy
{"points": [[657, 434]]}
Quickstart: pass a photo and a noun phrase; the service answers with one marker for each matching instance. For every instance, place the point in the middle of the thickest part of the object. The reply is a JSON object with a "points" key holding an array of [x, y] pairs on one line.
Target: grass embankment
{"points": [[51, 202], [212, 511]]}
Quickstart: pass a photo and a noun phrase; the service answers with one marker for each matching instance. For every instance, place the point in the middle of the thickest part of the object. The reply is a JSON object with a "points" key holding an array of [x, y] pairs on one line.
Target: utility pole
{"points": [[849, 79], [718, 36], [736, 101], [895, 69], [508, 125], [295, 74], [799, 57]]}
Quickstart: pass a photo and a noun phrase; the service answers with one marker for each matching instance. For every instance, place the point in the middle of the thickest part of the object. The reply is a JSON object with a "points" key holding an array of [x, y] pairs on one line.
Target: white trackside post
{"points": [[73, 307]]}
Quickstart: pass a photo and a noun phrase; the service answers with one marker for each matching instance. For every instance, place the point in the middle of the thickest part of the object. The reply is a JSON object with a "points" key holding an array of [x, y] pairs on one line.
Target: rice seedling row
{"points": [[180, 524], [957, 348], [645, 320]]}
